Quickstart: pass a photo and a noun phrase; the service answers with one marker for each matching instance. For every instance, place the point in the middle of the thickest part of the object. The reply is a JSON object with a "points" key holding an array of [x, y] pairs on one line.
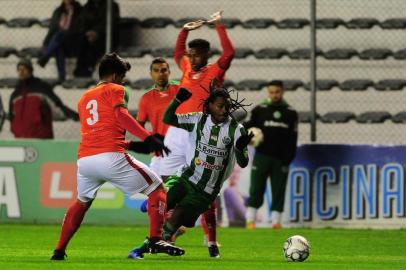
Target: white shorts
{"points": [[155, 164], [120, 169], [177, 140]]}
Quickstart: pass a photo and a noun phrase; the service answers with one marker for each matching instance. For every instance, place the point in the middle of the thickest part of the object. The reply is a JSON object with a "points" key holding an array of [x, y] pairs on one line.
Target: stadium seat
{"points": [[373, 117], [45, 23], [133, 52], [400, 55], [303, 53], [231, 22], [128, 22], [305, 117], [291, 85], [51, 81], [340, 54], [251, 84], [142, 84], [362, 23], [394, 84], [228, 84], [6, 51], [22, 22], [80, 83], [394, 23], [356, 84], [292, 23], [259, 23], [271, 53], [163, 52], [156, 22], [8, 82], [399, 117], [30, 52], [243, 52], [181, 22], [323, 85], [375, 54], [329, 23], [337, 117]]}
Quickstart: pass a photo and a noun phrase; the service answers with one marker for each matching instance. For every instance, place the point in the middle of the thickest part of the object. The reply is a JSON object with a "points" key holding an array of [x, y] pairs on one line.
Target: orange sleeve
{"points": [[119, 96], [142, 115]]}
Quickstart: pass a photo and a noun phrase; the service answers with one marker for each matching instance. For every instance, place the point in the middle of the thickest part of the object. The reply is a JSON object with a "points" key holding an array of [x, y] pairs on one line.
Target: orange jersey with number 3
{"points": [[100, 131]]}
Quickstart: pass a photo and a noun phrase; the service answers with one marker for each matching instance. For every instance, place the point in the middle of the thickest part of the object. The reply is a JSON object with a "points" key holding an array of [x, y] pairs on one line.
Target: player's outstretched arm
{"points": [[228, 49], [170, 117], [129, 123]]}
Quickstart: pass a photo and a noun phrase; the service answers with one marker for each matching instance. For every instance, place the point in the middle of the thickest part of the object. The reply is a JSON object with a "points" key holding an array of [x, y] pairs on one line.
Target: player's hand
{"points": [[243, 141], [215, 18], [183, 95], [139, 147], [156, 145], [193, 25]]}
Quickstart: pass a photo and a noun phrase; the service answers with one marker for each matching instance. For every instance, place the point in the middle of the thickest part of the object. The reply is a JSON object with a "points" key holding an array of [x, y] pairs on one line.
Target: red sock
{"points": [[71, 223], [156, 212], [204, 225], [211, 222]]}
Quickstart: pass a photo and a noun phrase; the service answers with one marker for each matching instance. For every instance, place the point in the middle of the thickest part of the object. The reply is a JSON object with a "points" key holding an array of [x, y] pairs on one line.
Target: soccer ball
{"points": [[296, 248], [258, 136]]}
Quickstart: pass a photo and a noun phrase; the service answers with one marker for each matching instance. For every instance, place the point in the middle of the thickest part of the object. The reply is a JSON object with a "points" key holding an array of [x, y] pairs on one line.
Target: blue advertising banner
{"points": [[347, 186]]}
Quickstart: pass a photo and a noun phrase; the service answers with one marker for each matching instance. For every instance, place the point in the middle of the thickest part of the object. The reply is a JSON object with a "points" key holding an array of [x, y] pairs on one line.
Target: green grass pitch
{"points": [[106, 247]]}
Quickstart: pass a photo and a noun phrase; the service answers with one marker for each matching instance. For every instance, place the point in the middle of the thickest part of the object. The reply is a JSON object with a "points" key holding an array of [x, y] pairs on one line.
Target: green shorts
{"points": [[182, 193]]}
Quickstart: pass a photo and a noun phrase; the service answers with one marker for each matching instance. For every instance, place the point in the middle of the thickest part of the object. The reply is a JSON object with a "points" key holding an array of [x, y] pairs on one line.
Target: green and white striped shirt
{"points": [[211, 155]]}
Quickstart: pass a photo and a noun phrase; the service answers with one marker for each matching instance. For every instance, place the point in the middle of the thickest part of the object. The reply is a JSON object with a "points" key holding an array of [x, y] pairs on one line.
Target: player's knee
{"points": [[190, 219]]}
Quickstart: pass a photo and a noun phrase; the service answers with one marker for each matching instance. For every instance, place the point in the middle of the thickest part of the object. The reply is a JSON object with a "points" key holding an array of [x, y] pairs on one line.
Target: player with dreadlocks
{"points": [[217, 141]]}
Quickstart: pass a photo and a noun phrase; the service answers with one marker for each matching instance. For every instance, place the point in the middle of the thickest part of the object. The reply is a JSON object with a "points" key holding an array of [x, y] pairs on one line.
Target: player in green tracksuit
{"points": [[278, 123], [216, 142]]}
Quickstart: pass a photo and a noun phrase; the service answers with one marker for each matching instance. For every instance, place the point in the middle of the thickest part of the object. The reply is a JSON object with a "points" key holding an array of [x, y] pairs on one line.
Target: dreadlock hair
{"points": [[111, 63], [223, 92]]}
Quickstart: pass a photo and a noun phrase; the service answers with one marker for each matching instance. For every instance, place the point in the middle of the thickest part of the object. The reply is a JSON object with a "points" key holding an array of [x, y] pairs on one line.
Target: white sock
{"points": [[251, 214], [276, 217]]}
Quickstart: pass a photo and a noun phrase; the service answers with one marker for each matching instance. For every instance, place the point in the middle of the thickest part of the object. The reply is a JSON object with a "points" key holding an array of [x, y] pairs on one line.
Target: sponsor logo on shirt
{"points": [[226, 140], [198, 161], [271, 123], [211, 150], [213, 167]]}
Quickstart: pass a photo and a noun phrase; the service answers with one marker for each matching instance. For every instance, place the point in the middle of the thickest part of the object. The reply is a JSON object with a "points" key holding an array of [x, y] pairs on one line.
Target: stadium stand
{"points": [[262, 40]]}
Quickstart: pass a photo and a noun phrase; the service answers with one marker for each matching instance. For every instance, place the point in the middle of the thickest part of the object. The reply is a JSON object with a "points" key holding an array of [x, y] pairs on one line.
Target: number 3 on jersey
{"points": [[92, 107]]}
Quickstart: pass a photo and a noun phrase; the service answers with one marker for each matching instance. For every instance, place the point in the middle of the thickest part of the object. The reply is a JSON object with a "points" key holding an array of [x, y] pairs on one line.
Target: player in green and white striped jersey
{"points": [[217, 141]]}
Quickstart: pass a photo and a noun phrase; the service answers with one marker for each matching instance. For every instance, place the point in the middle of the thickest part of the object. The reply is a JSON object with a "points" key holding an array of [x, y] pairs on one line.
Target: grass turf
{"points": [[106, 247]]}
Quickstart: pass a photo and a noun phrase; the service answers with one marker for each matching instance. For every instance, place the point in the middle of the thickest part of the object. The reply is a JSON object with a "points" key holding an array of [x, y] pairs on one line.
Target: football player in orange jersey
{"points": [[154, 103], [103, 157], [199, 77]]}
